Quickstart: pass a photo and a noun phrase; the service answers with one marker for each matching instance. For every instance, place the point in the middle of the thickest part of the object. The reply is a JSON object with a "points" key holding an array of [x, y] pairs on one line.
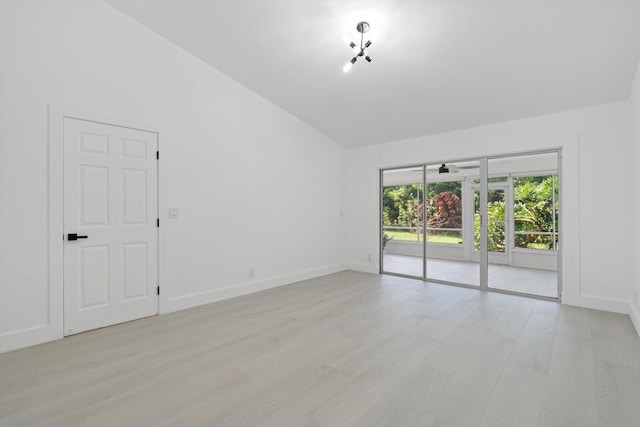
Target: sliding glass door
{"points": [[490, 223], [523, 224], [402, 232], [449, 237]]}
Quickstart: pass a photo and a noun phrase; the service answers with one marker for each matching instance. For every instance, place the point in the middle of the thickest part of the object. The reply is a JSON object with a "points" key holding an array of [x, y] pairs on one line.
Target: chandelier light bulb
{"points": [[349, 64]]}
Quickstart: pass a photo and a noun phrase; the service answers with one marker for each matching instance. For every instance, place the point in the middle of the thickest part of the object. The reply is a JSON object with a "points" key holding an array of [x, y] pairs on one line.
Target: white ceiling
{"points": [[437, 65]]}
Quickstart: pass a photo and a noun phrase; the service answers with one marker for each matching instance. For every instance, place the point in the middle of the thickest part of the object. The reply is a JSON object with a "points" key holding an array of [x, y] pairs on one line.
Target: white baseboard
{"points": [[364, 267], [607, 304], [27, 337], [598, 303], [634, 313], [44, 333], [194, 300]]}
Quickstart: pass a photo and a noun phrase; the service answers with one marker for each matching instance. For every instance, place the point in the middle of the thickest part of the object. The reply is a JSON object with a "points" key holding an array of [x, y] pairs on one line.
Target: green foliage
{"points": [[435, 188], [399, 205], [534, 210], [444, 210], [433, 237], [495, 226], [402, 206]]}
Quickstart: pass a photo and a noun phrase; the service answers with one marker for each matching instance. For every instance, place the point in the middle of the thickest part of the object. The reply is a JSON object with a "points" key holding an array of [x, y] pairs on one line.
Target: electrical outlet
{"points": [[252, 271], [370, 258]]}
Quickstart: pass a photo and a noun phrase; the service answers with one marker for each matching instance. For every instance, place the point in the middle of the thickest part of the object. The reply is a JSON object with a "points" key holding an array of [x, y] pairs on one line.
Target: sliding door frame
{"points": [[381, 172], [484, 253]]}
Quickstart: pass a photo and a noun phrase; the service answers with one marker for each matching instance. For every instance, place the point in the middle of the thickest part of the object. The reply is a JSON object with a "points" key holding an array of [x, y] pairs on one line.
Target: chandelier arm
{"points": [[362, 28]]}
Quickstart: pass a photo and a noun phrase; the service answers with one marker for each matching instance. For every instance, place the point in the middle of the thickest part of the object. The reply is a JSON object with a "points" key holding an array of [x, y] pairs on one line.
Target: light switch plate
{"points": [[172, 212]]}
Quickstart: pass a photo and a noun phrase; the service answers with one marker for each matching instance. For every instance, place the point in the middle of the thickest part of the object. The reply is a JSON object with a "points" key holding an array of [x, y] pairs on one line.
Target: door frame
{"points": [[57, 114]]}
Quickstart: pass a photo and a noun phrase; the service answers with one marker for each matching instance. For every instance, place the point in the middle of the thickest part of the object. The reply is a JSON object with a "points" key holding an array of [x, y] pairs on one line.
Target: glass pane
{"points": [[444, 212], [496, 220], [453, 237], [534, 241], [402, 221], [522, 224], [476, 219], [496, 226], [497, 179], [449, 200], [536, 211], [556, 190]]}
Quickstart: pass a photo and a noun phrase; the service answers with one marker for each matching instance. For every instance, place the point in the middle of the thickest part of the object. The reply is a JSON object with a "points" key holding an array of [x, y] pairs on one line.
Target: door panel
{"points": [[448, 221], [110, 196], [94, 195], [134, 263], [94, 276], [402, 234], [521, 216], [496, 220], [135, 196]]}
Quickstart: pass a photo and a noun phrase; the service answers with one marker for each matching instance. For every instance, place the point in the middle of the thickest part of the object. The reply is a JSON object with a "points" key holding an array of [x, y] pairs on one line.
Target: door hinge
{"points": [[158, 290], [158, 222], [158, 155]]}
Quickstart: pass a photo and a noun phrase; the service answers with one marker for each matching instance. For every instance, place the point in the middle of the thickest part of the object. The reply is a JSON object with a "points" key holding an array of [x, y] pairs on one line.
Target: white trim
{"points": [[27, 337], [364, 267], [530, 251], [198, 299], [54, 328], [635, 317], [614, 305], [163, 231]]}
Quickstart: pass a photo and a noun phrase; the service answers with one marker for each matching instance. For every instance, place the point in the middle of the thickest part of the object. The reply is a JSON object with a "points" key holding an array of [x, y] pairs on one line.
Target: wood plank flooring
{"points": [[349, 349]]}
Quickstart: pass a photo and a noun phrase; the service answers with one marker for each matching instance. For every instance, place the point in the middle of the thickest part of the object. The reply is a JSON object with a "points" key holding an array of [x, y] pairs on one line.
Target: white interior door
{"points": [[111, 204]]}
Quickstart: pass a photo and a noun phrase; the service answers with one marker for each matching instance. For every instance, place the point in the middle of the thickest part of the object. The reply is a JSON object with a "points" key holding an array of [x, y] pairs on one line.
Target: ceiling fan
{"points": [[448, 168]]}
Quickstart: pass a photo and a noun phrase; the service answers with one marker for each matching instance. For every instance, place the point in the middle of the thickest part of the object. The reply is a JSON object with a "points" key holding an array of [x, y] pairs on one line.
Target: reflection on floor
{"points": [[516, 279]]}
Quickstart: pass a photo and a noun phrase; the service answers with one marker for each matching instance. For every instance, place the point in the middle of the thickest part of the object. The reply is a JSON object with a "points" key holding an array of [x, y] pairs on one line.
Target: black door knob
{"points": [[74, 236]]}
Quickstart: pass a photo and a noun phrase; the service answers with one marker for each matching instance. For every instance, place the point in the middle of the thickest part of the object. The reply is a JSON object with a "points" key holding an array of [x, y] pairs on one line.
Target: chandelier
{"points": [[362, 28]]}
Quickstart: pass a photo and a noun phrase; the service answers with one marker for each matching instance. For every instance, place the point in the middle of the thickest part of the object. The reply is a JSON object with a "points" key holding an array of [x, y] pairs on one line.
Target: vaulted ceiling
{"points": [[437, 65]]}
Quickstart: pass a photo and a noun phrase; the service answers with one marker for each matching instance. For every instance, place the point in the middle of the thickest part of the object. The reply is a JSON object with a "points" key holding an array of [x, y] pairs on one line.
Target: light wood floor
{"points": [[516, 279], [346, 349]]}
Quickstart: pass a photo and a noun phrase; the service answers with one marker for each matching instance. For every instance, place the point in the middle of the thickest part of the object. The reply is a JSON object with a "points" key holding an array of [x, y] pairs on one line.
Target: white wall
{"points": [[238, 168], [597, 204], [635, 112]]}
